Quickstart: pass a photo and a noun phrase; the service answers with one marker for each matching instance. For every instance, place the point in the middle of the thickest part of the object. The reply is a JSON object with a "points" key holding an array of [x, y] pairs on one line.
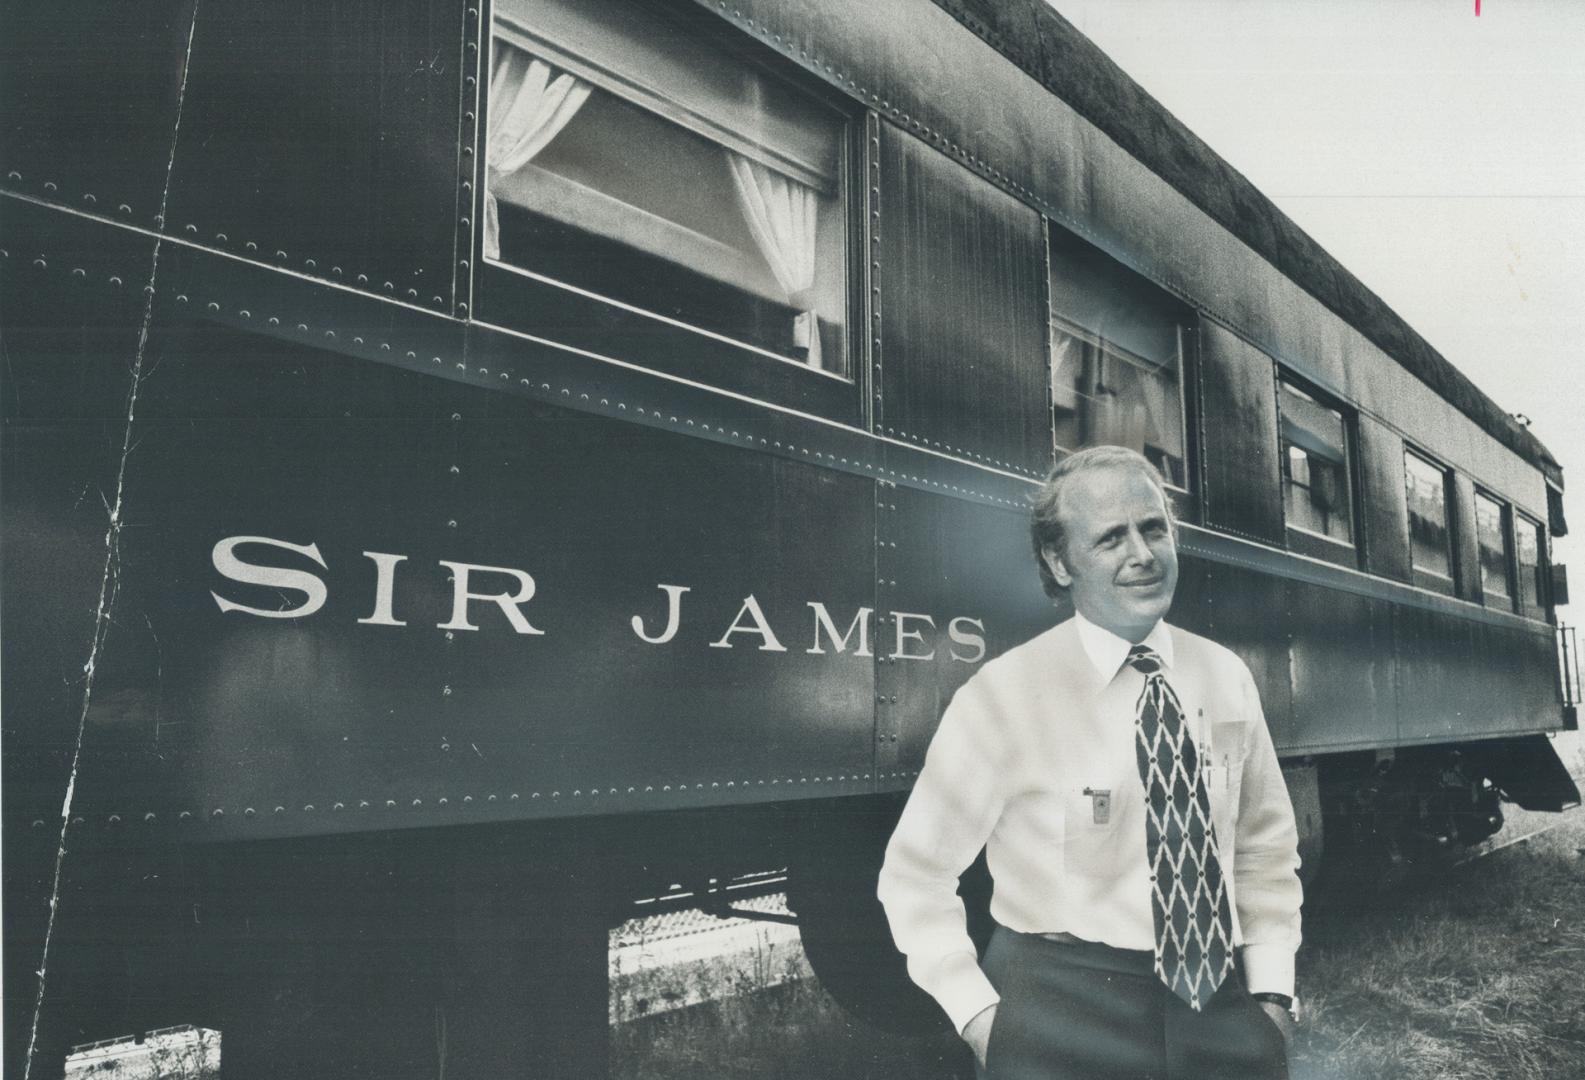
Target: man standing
{"points": [[1120, 776]]}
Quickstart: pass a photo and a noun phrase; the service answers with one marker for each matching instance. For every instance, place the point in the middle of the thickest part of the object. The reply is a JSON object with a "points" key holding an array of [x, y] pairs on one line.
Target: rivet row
{"points": [[218, 813]]}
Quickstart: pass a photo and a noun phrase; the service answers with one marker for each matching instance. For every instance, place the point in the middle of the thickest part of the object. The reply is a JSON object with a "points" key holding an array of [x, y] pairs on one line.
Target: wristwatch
{"points": [[1283, 1001]]}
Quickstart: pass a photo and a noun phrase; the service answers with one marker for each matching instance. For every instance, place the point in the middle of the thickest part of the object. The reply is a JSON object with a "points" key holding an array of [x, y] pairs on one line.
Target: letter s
{"points": [[963, 637], [271, 577]]}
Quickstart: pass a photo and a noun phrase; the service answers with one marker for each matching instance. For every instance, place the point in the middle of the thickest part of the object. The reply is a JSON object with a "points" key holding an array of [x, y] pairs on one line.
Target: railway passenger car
{"points": [[469, 466]]}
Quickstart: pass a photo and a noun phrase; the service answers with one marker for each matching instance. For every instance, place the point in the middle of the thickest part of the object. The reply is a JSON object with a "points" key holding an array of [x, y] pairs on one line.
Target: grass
{"points": [[790, 1032], [1474, 971]]}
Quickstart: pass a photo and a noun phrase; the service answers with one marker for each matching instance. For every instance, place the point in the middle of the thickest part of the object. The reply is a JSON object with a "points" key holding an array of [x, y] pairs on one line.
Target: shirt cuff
{"points": [[1268, 969], [962, 989]]}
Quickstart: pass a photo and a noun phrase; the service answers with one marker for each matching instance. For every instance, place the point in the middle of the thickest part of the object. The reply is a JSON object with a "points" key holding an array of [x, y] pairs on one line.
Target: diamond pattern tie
{"points": [[1194, 925]]}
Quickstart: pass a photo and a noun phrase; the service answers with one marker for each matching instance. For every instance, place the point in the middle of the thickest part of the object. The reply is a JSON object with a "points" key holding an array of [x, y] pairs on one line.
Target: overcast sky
{"points": [[1438, 154]]}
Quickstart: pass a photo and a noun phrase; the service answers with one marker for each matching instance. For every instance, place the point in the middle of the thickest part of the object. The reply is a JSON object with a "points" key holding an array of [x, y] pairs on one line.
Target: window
{"points": [[1317, 493], [1117, 345], [1491, 534], [1531, 544], [635, 155], [1430, 539]]}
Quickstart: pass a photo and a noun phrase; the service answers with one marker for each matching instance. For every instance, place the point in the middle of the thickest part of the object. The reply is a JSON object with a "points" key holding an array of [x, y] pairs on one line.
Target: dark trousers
{"points": [[1087, 1011]]}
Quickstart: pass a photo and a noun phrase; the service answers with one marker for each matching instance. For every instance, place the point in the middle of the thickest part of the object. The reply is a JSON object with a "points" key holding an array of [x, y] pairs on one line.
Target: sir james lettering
{"points": [[476, 587]]}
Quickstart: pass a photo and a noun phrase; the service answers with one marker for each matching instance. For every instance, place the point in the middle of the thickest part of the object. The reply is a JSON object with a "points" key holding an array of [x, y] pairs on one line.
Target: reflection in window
{"points": [[642, 161], [1491, 532], [1102, 394], [1532, 567], [1117, 346], [1430, 546], [1315, 472]]}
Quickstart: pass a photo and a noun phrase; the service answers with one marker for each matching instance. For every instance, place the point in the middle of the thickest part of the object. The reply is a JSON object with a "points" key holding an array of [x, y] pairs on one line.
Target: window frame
{"points": [[1510, 548], [525, 300], [1299, 539], [1184, 496], [1542, 610], [1433, 580]]}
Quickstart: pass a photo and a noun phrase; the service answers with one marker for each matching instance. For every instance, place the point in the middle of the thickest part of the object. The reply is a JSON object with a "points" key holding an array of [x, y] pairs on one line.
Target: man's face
{"points": [[1121, 563]]}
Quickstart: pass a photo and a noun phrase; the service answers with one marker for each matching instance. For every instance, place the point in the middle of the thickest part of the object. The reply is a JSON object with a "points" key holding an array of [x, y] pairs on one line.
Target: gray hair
{"points": [[1046, 528]]}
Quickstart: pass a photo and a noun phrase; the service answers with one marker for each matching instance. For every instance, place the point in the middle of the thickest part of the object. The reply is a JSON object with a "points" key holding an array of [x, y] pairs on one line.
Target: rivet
{"points": [[302, 328], [363, 804], [42, 265], [390, 804], [466, 799], [217, 812], [274, 320], [280, 254], [309, 809], [412, 294], [336, 270], [115, 819], [490, 799], [79, 272], [146, 817], [49, 185], [249, 812]]}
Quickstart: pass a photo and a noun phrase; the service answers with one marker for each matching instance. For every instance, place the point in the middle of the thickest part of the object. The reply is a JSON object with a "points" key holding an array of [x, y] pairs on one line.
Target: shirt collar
{"points": [[1107, 651]]}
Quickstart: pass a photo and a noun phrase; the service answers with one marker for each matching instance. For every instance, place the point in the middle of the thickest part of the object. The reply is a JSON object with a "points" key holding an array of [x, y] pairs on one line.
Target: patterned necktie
{"points": [[1194, 928]]}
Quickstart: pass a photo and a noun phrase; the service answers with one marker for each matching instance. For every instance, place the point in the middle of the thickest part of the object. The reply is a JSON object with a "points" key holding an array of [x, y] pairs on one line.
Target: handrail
{"points": [[1568, 665]]}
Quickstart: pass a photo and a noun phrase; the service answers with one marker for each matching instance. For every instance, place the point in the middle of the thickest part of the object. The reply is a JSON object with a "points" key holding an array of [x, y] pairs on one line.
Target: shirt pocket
{"points": [[1089, 830], [1224, 774]]}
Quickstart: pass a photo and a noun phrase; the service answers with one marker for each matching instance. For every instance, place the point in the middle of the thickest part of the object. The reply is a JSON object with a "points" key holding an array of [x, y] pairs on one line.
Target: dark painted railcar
{"points": [[469, 467]]}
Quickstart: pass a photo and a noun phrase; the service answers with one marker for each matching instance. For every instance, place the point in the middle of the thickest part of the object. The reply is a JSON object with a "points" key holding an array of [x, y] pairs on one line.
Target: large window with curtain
{"points": [[1317, 488], [1430, 537], [1117, 358], [639, 157], [1491, 535], [1530, 547]]}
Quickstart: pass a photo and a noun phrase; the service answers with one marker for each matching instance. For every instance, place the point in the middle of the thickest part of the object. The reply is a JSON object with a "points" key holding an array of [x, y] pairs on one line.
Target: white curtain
{"points": [[781, 215], [530, 102]]}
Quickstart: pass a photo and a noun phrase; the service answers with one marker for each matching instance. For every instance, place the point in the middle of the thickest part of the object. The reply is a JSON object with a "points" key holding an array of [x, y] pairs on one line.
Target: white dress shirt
{"points": [[1017, 767]]}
